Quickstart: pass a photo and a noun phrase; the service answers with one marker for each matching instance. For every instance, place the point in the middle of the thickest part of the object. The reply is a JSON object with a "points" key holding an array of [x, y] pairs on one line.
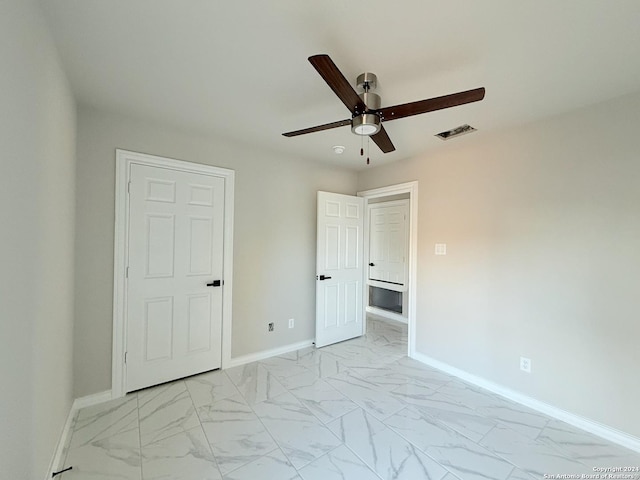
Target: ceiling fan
{"points": [[366, 114]]}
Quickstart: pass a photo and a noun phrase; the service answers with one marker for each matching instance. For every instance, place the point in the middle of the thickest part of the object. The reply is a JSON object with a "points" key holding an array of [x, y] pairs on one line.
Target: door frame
{"points": [[412, 189], [124, 160]]}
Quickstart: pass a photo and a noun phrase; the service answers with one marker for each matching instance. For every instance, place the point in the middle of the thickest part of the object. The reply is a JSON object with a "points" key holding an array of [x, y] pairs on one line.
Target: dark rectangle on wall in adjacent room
{"points": [[385, 299]]}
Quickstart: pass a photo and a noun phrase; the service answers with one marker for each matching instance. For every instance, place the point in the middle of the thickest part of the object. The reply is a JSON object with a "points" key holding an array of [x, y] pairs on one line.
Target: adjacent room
{"points": [[330, 240]]}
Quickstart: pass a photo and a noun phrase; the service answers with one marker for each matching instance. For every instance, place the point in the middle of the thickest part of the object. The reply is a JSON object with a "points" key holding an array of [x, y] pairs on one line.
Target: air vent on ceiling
{"points": [[456, 132]]}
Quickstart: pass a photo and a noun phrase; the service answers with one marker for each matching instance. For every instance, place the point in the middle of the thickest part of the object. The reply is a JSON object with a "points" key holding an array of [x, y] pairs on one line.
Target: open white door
{"points": [[339, 268]]}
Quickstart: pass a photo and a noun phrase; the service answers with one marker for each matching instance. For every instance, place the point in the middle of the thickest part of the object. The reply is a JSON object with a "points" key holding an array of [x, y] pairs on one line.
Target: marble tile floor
{"points": [[357, 410]]}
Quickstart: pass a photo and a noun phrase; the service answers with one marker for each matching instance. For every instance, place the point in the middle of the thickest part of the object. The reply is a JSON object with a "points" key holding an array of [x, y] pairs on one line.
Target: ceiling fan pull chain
{"points": [[368, 149]]}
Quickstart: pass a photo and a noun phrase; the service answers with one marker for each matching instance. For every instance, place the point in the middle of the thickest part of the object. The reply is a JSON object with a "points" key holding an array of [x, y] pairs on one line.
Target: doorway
{"points": [[407, 301], [174, 234]]}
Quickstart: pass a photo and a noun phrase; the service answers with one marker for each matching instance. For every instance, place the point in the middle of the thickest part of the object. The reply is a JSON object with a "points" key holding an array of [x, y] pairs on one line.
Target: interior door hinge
{"points": [[129, 187], [126, 274], [125, 357]]}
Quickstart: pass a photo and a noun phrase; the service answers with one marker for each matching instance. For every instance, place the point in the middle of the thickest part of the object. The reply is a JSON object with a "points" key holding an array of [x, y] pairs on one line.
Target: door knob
{"points": [[372, 265], [215, 283], [322, 277]]}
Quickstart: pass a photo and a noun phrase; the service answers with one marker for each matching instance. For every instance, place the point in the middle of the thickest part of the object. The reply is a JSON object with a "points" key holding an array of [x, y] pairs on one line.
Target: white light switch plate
{"points": [[441, 248]]}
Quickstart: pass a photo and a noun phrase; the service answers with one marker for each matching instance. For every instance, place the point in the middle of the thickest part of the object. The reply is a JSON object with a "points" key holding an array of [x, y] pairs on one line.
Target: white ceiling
{"points": [[239, 69]]}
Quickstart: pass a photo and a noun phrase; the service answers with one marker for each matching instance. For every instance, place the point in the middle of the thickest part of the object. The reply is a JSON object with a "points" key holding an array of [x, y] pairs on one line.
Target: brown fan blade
{"points": [[319, 128], [383, 141], [430, 105], [335, 79]]}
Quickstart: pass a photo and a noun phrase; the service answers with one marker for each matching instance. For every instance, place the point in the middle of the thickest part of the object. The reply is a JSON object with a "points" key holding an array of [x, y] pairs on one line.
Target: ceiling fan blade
{"points": [[335, 79], [383, 141], [438, 103], [319, 128]]}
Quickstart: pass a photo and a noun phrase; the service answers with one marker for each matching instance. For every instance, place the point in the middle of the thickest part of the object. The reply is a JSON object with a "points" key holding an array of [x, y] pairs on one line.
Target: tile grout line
{"points": [[356, 454], [320, 379], [497, 455], [139, 436], [417, 447], [275, 440], [278, 446], [204, 434], [439, 423]]}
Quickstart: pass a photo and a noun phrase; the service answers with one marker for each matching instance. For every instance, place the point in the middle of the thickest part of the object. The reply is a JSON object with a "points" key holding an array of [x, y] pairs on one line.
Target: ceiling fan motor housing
{"points": [[371, 100], [367, 123]]}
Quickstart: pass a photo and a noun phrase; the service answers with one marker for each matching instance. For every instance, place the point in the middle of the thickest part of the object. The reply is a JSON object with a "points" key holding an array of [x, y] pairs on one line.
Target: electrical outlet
{"points": [[291, 322], [271, 327], [525, 364]]}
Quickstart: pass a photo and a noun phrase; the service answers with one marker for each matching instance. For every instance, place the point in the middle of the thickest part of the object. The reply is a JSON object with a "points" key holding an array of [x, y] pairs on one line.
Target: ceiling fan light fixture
{"points": [[365, 124]]}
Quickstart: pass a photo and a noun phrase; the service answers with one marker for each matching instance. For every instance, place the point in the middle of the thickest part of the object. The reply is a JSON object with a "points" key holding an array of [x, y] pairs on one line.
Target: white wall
{"points": [[37, 162], [274, 248], [542, 226]]}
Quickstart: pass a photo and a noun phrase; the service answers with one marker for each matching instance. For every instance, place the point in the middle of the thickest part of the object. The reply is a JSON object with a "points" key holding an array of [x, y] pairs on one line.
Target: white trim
{"points": [[57, 462], [386, 285], [392, 203], [381, 312], [412, 189], [599, 429], [124, 159], [90, 400], [254, 357]]}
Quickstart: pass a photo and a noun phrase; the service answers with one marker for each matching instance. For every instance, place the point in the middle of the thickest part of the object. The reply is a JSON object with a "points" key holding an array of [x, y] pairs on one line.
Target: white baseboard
{"points": [[78, 403], [90, 400], [604, 431], [56, 461], [387, 314], [254, 357]]}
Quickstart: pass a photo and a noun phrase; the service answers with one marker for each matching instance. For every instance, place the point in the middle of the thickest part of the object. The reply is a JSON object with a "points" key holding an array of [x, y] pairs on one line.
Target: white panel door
{"points": [[174, 318], [339, 268], [388, 242]]}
